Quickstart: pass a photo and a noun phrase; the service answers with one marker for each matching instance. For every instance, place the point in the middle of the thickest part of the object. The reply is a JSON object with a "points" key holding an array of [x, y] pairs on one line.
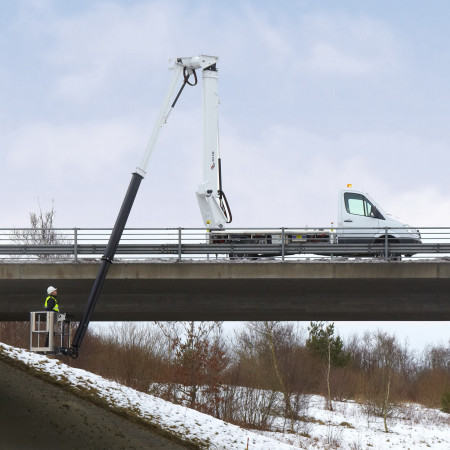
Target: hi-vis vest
{"points": [[56, 307]]}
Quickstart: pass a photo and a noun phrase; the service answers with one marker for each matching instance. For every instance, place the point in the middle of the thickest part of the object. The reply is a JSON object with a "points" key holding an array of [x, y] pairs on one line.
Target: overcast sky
{"points": [[314, 95]]}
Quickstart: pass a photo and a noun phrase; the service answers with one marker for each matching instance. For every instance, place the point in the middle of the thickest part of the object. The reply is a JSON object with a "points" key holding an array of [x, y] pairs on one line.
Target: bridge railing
{"points": [[243, 244]]}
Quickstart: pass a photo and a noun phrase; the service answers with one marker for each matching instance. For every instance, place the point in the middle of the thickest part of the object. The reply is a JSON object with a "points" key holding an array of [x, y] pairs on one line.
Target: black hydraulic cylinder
{"points": [[107, 259]]}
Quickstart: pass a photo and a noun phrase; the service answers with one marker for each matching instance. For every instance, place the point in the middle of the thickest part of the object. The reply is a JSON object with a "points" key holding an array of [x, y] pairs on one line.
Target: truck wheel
{"points": [[391, 256], [237, 256]]}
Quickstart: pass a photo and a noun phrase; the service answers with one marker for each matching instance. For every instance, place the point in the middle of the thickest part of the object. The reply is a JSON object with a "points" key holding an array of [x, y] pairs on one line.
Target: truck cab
{"points": [[362, 220]]}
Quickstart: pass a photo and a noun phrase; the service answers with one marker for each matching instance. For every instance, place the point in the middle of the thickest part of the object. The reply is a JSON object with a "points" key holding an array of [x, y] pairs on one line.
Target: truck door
{"points": [[360, 218]]}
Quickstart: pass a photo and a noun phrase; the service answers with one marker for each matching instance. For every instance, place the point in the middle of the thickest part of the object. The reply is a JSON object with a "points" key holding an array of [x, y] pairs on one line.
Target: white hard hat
{"points": [[51, 289]]}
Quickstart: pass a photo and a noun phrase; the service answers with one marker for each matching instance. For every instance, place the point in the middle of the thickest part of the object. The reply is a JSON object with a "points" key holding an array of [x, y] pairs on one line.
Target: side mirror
{"points": [[375, 213]]}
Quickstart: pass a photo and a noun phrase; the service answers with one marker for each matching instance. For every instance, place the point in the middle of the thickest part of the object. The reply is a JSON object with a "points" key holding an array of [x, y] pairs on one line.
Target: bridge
{"points": [[291, 290]]}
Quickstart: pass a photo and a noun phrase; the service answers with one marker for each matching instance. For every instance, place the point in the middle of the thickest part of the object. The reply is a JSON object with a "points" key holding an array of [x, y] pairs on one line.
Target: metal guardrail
{"points": [[195, 243]]}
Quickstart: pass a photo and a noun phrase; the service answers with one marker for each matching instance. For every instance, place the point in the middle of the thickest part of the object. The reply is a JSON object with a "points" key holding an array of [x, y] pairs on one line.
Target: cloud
{"points": [[86, 168], [285, 176], [270, 37], [290, 175], [110, 58], [326, 58], [108, 42], [340, 44], [426, 205], [114, 52], [63, 151]]}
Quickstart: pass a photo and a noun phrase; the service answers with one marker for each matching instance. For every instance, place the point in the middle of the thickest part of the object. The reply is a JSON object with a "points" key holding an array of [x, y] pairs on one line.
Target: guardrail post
{"points": [[75, 244], [386, 244], [282, 244], [179, 244]]}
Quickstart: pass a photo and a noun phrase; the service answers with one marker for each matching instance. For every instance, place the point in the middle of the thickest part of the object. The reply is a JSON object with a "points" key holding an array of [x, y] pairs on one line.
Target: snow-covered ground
{"points": [[348, 427]]}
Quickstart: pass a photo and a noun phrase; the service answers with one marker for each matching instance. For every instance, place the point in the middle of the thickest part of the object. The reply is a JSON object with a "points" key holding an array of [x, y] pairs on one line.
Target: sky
{"points": [[313, 96]]}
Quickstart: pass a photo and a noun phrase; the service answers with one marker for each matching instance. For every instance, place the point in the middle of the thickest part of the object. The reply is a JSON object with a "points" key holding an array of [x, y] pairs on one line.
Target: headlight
{"points": [[413, 232]]}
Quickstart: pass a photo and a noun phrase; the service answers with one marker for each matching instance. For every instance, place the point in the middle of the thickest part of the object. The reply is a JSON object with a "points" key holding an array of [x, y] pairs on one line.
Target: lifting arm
{"points": [[210, 196], [187, 67]]}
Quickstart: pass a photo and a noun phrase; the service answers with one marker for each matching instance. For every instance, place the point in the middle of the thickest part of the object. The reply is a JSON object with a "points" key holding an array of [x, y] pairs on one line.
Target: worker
{"points": [[51, 303]]}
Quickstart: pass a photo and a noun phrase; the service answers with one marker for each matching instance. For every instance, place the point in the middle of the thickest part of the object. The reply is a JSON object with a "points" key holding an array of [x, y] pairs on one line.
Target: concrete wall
{"points": [[235, 291]]}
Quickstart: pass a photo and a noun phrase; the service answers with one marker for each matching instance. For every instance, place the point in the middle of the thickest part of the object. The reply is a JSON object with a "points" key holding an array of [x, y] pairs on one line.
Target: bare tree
{"points": [[438, 357], [388, 355], [384, 364], [269, 328], [269, 357], [41, 232], [198, 359], [432, 384]]}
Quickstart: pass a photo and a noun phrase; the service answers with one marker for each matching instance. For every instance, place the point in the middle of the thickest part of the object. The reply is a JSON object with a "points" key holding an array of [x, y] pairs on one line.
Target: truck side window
{"points": [[357, 204]]}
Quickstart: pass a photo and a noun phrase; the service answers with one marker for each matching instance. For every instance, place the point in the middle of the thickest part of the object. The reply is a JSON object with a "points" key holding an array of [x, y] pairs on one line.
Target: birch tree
{"points": [[329, 348]]}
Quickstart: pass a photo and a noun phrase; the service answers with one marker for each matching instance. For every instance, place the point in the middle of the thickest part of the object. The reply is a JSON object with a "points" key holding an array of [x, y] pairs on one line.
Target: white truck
{"points": [[362, 220], [362, 223]]}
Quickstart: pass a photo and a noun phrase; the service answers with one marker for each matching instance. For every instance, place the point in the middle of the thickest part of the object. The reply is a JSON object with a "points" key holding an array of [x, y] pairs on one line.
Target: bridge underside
{"points": [[145, 292]]}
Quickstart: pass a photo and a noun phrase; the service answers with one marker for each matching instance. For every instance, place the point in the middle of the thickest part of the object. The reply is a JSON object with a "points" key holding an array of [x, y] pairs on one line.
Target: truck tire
{"points": [[391, 255]]}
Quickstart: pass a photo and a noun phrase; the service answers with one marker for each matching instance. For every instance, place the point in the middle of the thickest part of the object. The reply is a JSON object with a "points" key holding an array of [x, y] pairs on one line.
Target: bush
{"points": [[446, 402], [16, 334]]}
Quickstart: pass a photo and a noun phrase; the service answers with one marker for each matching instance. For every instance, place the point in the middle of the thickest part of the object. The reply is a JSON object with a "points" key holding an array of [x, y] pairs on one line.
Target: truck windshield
{"points": [[357, 204]]}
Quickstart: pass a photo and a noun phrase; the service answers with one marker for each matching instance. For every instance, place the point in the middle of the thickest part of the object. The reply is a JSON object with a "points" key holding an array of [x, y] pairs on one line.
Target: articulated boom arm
{"points": [[211, 199], [215, 214]]}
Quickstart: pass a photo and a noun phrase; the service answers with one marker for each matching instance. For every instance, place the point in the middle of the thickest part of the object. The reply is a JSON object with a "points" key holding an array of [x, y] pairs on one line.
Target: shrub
{"points": [[446, 402]]}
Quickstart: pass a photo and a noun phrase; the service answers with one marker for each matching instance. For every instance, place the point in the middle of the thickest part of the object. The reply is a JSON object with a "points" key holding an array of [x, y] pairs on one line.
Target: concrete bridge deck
{"points": [[234, 291]]}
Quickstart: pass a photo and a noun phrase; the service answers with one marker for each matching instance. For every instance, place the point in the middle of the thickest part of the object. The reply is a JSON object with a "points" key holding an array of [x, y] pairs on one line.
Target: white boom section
{"points": [[191, 63], [160, 122], [208, 190]]}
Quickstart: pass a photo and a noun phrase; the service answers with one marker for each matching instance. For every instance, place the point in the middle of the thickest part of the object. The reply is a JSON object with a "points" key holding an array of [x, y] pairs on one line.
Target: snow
{"points": [[224, 259], [189, 424], [346, 427]]}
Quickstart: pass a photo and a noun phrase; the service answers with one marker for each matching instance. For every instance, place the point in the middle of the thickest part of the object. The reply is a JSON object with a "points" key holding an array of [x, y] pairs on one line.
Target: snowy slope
{"points": [[347, 427], [186, 423]]}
